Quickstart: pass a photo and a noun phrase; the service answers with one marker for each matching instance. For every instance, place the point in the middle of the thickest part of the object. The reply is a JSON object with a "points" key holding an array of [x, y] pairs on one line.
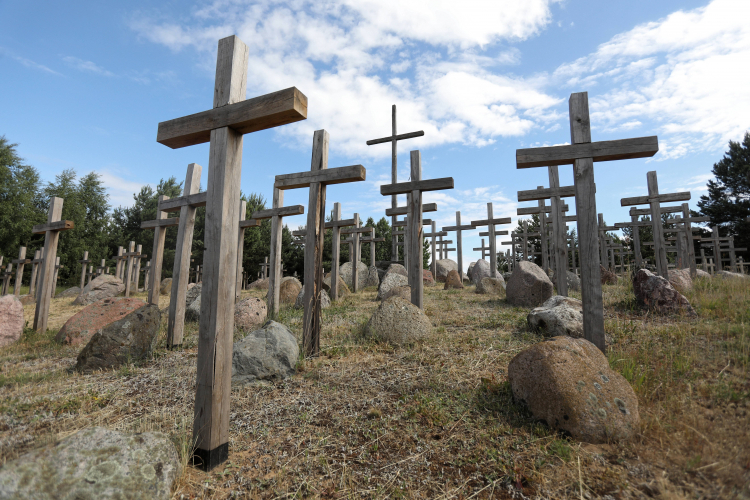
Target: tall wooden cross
{"points": [[582, 153], [7, 275], [336, 224], [317, 179], [51, 231], [393, 139], [458, 228], [223, 126], [372, 240], [490, 222], [159, 225], [138, 258], [35, 266], [20, 262], [244, 224], [654, 200], [414, 190], [355, 249], [432, 235], [131, 255], [84, 263]]}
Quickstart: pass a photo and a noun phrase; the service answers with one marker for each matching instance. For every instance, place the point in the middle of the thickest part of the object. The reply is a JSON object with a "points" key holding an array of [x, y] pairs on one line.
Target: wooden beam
{"points": [[339, 175], [427, 207], [190, 200], [639, 147], [153, 224], [543, 194], [280, 212], [60, 225], [400, 137], [421, 186], [662, 198]]}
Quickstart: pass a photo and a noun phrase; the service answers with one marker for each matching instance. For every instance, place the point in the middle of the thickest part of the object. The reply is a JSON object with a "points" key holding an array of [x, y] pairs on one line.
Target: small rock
{"points": [[85, 323], [342, 290], [11, 319], [270, 353], [558, 316], [574, 282], [193, 293], [680, 279], [260, 284], [400, 291], [325, 300], [250, 313], [166, 286], [193, 311], [70, 292], [131, 338], [372, 277], [491, 286], [656, 293], [480, 269], [700, 273], [101, 287], [391, 280], [443, 267], [453, 281], [290, 288], [427, 278], [95, 463], [568, 383], [608, 277], [345, 271], [528, 286], [398, 321]]}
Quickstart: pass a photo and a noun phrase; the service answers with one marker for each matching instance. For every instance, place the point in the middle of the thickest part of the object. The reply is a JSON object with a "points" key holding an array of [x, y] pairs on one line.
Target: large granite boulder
{"points": [[372, 277], [269, 353], [680, 279], [101, 287], [345, 271], [391, 280], [568, 383], [85, 323], [400, 291], [491, 286], [657, 294], [528, 286], [731, 275], [398, 322], [11, 319], [325, 300], [469, 269], [558, 316], [95, 463], [250, 314], [289, 289], [480, 269], [131, 338], [453, 281], [259, 284], [607, 276], [398, 269], [70, 292], [342, 290], [427, 278], [166, 286], [443, 267]]}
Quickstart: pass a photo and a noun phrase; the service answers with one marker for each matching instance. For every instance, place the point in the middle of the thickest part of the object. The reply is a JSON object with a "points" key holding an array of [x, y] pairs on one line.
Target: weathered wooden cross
{"points": [[131, 255], [485, 249], [372, 240], [159, 225], [582, 153], [35, 266], [232, 116], [7, 275], [84, 263], [490, 222], [20, 262], [355, 249], [458, 228], [433, 235], [244, 224]]}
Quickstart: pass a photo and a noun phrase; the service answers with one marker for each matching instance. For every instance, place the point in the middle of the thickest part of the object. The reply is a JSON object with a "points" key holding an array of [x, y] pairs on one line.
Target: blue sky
{"points": [[84, 86]]}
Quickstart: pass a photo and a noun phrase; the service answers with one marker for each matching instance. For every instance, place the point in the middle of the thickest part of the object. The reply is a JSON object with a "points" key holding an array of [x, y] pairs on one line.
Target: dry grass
{"points": [[435, 420]]}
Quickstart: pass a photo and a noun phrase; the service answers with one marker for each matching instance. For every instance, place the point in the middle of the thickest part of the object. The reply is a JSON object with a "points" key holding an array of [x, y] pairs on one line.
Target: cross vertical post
{"points": [[159, 225], [129, 270], [240, 252], [20, 263], [458, 228], [559, 234], [35, 266]]}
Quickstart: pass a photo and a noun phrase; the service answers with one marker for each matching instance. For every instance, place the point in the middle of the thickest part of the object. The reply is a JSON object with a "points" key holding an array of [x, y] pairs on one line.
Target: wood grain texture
{"points": [[183, 250], [422, 186], [544, 194], [658, 198], [660, 254], [274, 278], [20, 264], [640, 147], [130, 269], [339, 175], [34, 270], [59, 225], [537, 210], [401, 137], [427, 207], [251, 115], [279, 212], [153, 224], [46, 285], [240, 251], [192, 200], [336, 250], [414, 236], [249, 223]]}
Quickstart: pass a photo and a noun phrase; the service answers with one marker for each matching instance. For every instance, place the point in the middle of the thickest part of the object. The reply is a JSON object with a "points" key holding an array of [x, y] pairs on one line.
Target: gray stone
{"points": [[250, 314], [680, 279], [325, 300], [400, 291], [700, 273], [372, 277], [398, 269], [345, 271], [270, 353], [491, 286], [193, 311], [528, 286], [193, 293], [289, 289], [398, 322], [480, 269], [166, 286], [391, 280], [731, 275], [11, 319], [568, 383], [95, 463], [70, 292], [342, 291], [558, 316], [468, 271], [260, 284], [443, 267], [574, 282], [657, 294], [129, 339], [101, 287]]}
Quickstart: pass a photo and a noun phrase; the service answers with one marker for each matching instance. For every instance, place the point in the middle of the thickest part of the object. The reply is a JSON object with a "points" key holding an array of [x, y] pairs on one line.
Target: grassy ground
{"points": [[435, 420]]}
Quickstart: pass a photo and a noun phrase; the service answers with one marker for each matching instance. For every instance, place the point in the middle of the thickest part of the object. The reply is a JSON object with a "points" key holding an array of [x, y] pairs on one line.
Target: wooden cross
{"points": [[582, 153], [159, 225], [541, 211], [264, 268], [432, 235], [393, 139], [119, 260], [485, 250], [100, 269], [139, 257], [606, 256], [224, 125], [525, 235], [655, 199], [372, 240], [355, 249], [405, 233], [6, 279], [58, 266], [244, 224], [687, 220], [146, 273], [427, 207], [128, 273], [413, 191], [490, 222], [20, 263], [317, 179], [444, 245], [336, 224], [459, 229], [38, 259], [51, 231], [84, 263], [572, 253], [276, 214]]}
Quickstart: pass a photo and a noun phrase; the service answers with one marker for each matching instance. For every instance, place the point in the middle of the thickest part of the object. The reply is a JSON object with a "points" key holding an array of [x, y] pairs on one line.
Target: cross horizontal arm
{"points": [[662, 198], [426, 207], [250, 115], [408, 187], [487, 222], [340, 223], [339, 175], [353, 230], [693, 219], [647, 211], [425, 222], [60, 225], [640, 147], [371, 240], [459, 228], [281, 212], [547, 193], [538, 210], [497, 233], [570, 218], [28, 261], [190, 200], [436, 234], [249, 223], [399, 137], [150, 224]]}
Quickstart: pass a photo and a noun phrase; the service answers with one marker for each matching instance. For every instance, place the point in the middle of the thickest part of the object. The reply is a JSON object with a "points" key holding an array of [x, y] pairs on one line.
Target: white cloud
{"points": [[87, 66], [120, 189], [28, 62]]}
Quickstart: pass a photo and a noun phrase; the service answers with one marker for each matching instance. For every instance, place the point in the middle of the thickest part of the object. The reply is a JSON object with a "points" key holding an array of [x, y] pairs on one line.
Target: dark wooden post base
{"points": [[207, 460]]}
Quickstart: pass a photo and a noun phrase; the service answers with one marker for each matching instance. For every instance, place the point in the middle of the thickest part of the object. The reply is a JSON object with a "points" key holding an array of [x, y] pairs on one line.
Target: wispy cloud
{"points": [[87, 66], [28, 62]]}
